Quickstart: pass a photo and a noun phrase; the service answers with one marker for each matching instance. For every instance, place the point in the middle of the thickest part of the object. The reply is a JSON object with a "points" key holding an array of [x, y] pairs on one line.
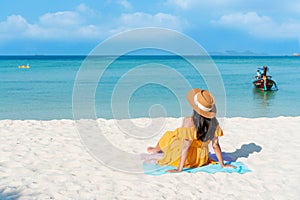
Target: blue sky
{"points": [[220, 26]]}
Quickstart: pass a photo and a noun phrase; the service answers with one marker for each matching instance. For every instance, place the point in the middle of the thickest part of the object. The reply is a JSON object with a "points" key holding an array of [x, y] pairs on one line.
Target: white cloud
{"points": [[140, 19], [125, 4], [87, 12], [91, 31], [196, 4], [15, 26], [64, 25], [14, 22], [61, 19], [278, 8], [184, 4], [241, 19], [293, 7], [80, 24], [260, 26], [83, 8]]}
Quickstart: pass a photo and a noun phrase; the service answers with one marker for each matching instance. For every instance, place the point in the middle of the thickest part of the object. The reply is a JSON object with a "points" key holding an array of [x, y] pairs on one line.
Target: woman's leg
{"points": [[163, 142], [154, 149]]}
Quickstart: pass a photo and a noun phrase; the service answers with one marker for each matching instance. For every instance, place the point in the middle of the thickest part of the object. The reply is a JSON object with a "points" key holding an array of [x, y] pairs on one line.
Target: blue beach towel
{"points": [[151, 168], [156, 170]]}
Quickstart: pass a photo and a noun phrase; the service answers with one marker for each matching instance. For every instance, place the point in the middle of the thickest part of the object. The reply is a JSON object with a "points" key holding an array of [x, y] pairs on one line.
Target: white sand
{"points": [[47, 160]]}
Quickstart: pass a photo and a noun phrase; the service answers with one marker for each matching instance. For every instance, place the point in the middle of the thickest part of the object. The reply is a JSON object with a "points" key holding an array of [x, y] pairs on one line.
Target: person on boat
{"points": [[187, 146], [265, 77], [258, 74], [265, 82], [265, 70]]}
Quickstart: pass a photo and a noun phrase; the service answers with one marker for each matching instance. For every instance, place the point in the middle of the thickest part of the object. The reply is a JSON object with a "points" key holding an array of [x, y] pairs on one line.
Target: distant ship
{"points": [[24, 66], [296, 54]]}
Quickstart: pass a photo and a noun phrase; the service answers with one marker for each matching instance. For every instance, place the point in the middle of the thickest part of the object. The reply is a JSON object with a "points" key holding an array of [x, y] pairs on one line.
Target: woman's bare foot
{"points": [[153, 149]]}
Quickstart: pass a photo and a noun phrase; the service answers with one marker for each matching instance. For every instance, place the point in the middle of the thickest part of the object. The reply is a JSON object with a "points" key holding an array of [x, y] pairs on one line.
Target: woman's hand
{"points": [[174, 170], [228, 166]]}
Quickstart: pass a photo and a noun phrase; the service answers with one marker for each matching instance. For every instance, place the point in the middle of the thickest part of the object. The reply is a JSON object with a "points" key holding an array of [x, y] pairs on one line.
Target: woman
{"points": [[187, 146]]}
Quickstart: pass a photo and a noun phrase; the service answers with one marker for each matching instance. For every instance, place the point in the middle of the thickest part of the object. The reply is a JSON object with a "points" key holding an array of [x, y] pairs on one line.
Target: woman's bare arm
{"points": [[184, 153], [187, 122], [218, 151]]}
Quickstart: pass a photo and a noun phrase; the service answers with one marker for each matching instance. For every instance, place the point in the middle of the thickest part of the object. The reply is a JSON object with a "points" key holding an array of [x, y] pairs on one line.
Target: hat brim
{"points": [[190, 97]]}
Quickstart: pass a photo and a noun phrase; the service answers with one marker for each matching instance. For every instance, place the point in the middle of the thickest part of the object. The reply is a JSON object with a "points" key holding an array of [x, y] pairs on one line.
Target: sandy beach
{"points": [[47, 160]]}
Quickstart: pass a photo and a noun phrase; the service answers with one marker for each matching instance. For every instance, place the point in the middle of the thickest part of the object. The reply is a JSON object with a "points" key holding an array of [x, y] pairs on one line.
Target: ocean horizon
{"points": [[45, 90]]}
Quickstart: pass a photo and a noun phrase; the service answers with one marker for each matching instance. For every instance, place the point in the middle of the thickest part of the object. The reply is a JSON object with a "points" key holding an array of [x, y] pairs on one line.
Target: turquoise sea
{"points": [[45, 90]]}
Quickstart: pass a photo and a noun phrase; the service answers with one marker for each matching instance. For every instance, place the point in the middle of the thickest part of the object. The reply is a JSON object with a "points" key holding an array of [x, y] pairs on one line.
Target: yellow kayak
{"points": [[24, 66]]}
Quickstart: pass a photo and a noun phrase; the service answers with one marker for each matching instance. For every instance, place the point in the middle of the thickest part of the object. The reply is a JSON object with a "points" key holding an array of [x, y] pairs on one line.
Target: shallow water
{"points": [[143, 86]]}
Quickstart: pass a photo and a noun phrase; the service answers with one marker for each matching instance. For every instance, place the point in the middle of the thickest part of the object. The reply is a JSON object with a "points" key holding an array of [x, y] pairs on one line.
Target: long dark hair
{"points": [[205, 127]]}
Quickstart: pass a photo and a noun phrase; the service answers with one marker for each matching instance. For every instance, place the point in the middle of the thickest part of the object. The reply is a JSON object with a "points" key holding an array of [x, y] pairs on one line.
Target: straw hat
{"points": [[203, 102]]}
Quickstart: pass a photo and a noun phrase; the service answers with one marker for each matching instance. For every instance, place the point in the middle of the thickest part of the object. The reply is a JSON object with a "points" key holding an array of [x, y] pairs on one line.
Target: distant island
{"points": [[238, 53], [296, 54]]}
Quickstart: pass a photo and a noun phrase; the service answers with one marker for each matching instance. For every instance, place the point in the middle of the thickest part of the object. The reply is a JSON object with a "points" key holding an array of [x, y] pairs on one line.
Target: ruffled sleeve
{"points": [[218, 132], [187, 133]]}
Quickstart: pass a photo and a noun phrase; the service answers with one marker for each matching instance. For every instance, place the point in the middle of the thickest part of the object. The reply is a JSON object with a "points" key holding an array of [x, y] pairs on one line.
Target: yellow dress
{"points": [[171, 144]]}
